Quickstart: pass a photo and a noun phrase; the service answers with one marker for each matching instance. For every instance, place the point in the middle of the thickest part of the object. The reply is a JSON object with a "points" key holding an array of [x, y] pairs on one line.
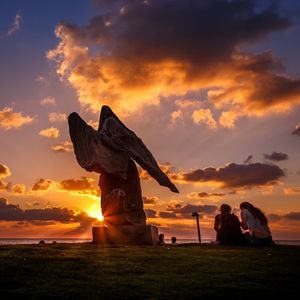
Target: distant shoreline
{"points": [[32, 241]]}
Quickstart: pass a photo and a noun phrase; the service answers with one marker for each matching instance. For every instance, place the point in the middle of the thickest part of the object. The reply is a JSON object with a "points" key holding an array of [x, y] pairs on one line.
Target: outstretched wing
{"points": [[92, 153], [117, 136]]}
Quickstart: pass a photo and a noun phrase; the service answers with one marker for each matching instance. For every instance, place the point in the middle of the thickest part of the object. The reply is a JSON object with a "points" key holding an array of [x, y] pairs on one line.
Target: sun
{"points": [[95, 212], [100, 216]]}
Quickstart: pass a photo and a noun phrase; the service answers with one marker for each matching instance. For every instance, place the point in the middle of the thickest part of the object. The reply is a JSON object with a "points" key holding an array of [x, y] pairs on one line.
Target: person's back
{"points": [[256, 228], [256, 223], [228, 227]]}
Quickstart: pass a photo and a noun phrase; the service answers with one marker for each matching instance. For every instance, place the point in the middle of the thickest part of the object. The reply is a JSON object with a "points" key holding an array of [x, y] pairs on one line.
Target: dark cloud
{"points": [[42, 184], [235, 175], [188, 209], [150, 213], [291, 216], [167, 215], [276, 156], [231, 176], [170, 47], [12, 212], [274, 217], [203, 195], [154, 30]]}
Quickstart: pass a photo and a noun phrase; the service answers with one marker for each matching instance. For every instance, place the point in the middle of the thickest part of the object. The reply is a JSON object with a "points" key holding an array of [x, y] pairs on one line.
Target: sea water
{"points": [[29, 241]]}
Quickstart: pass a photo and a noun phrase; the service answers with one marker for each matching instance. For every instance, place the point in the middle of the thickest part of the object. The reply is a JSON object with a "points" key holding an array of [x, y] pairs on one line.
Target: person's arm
{"points": [[236, 220], [244, 219], [217, 222]]}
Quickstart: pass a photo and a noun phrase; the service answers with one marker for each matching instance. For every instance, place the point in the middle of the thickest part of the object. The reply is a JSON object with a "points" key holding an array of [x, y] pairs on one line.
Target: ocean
{"points": [[29, 241]]}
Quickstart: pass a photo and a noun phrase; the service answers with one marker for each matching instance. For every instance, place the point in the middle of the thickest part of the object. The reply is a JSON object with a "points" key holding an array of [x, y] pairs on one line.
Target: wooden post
{"points": [[195, 214]]}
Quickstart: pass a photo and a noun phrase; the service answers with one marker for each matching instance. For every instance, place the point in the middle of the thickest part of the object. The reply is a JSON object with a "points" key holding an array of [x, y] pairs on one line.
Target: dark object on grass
{"points": [[195, 214], [42, 242], [173, 240], [111, 151], [161, 239]]}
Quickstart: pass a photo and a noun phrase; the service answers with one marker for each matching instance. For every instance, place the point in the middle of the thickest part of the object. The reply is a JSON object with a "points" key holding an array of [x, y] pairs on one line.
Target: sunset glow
{"points": [[95, 212], [211, 87]]}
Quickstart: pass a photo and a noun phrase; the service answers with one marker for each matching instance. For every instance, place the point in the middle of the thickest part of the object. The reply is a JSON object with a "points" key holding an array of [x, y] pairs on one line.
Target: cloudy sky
{"points": [[211, 87]]}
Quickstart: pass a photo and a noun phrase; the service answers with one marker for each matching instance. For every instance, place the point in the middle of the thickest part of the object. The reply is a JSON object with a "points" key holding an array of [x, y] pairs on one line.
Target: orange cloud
{"points": [[166, 168], [41, 216], [150, 200], [51, 132], [57, 117], [185, 107], [129, 69], [255, 90], [94, 124], [83, 185], [18, 188], [4, 171], [48, 100], [4, 186], [204, 116], [42, 185], [291, 191], [10, 119], [65, 146]]}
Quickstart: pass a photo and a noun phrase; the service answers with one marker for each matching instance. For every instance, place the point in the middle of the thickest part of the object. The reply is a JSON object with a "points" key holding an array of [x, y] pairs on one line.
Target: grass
{"points": [[86, 271]]}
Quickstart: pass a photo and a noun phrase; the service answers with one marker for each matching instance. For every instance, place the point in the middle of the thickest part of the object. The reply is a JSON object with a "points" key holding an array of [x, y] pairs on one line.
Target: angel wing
{"points": [[92, 153], [123, 143]]}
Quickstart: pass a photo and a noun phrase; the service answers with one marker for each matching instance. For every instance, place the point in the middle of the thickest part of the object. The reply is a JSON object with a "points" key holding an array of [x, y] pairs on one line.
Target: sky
{"points": [[211, 87]]}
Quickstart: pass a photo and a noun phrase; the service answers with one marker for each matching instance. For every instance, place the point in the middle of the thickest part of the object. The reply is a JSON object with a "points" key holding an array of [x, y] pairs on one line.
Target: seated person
{"points": [[256, 223], [227, 226]]}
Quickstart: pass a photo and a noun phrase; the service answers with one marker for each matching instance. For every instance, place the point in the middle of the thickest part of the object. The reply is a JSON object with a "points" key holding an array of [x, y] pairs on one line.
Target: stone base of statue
{"points": [[125, 235]]}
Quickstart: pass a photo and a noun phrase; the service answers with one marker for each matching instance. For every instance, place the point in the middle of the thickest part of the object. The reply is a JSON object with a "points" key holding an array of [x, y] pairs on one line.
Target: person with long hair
{"points": [[256, 223], [228, 227]]}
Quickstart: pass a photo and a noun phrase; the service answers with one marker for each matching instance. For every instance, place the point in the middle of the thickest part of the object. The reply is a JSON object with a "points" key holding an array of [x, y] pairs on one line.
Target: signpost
{"points": [[195, 214]]}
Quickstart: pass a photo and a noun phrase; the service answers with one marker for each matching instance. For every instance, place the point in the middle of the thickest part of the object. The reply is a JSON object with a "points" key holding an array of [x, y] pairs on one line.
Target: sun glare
{"points": [[100, 216], [95, 212]]}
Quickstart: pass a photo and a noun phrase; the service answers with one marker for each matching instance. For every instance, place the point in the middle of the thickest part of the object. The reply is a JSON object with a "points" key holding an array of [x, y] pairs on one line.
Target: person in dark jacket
{"points": [[228, 227]]}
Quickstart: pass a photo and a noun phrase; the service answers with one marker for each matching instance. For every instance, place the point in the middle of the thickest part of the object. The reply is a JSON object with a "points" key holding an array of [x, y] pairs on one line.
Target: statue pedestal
{"points": [[125, 235]]}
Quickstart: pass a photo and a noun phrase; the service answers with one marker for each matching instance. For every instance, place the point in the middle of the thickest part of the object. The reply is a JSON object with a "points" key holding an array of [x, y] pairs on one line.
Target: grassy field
{"points": [[86, 271]]}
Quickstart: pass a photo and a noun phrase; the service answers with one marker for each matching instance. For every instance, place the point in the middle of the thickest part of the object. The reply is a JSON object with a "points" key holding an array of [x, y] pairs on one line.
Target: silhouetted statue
{"points": [[111, 151]]}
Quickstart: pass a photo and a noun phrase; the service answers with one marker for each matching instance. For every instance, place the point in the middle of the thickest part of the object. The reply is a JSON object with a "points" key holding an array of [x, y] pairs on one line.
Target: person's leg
{"points": [[247, 239], [262, 241]]}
